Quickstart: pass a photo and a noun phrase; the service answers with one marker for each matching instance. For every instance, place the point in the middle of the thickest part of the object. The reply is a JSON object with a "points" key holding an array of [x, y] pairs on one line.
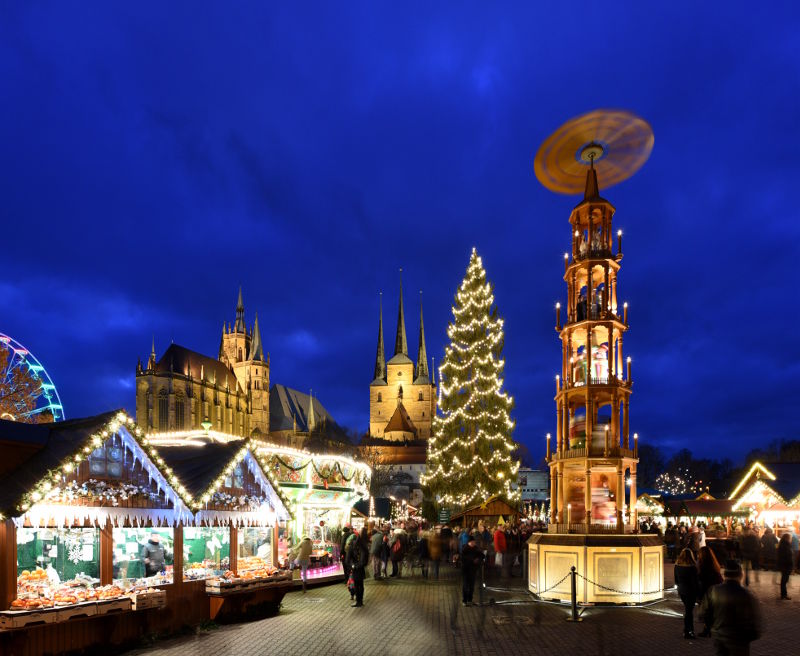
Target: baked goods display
{"points": [[36, 591]]}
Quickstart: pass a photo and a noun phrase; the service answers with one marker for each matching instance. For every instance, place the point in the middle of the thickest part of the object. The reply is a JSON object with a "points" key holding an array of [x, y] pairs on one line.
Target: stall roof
{"points": [[492, 506], [700, 508], [29, 451], [197, 467]]}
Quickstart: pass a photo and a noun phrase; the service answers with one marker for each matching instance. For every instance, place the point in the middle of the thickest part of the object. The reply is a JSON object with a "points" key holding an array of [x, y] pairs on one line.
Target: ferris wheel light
{"points": [[47, 401]]}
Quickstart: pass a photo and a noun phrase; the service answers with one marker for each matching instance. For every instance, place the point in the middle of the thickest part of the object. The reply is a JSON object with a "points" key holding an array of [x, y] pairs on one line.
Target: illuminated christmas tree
{"points": [[469, 453]]}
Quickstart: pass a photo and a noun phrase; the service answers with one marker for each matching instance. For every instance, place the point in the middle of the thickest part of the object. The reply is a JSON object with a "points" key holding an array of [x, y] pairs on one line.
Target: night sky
{"points": [[154, 159]]}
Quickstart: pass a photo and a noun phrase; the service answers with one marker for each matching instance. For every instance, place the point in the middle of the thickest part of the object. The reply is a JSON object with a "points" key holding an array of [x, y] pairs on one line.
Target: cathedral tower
{"points": [[402, 396]]}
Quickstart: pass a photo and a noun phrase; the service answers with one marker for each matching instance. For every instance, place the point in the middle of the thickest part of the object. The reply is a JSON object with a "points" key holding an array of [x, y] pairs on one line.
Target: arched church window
{"points": [[419, 398], [380, 397], [400, 392], [163, 410], [240, 355], [180, 415]]}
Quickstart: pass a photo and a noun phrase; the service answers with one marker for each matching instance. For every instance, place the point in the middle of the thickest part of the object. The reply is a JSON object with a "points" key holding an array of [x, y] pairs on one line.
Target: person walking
{"points": [[385, 554], [375, 548], [398, 552], [472, 558], [357, 557], [785, 560], [303, 559], [500, 548], [732, 613], [769, 548], [346, 533], [423, 552], [709, 574], [687, 582], [751, 549], [435, 544]]}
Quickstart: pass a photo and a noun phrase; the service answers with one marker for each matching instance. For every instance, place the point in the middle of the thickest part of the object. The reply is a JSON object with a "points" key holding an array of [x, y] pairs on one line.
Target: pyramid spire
{"points": [[400, 343], [239, 327], [592, 191], [256, 351], [222, 342], [422, 354], [311, 422], [380, 355]]}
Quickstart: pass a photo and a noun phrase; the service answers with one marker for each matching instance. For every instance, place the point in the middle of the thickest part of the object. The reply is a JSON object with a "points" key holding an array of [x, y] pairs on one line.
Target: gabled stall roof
{"points": [[35, 456], [202, 469]]}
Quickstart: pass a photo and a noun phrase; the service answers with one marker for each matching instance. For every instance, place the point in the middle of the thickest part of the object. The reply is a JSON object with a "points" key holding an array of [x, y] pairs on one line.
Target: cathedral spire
{"points": [[311, 422], [400, 343], [239, 327], [151, 362], [256, 352], [222, 342], [422, 354], [380, 356]]}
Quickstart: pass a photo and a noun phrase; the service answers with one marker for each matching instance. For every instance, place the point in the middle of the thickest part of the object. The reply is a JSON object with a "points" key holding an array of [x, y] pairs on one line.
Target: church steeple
{"points": [[400, 343], [311, 422], [380, 355], [239, 327], [256, 351], [151, 362], [422, 355]]}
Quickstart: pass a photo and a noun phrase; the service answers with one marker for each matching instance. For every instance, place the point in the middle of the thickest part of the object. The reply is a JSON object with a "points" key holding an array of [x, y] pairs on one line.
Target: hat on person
{"points": [[732, 569]]}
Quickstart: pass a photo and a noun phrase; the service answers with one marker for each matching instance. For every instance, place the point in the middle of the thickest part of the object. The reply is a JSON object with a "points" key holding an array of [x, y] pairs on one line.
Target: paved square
{"points": [[410, 616]]}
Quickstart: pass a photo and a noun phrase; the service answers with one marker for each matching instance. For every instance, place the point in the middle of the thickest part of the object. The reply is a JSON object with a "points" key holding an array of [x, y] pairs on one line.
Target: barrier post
{"points": [[574, 597]]}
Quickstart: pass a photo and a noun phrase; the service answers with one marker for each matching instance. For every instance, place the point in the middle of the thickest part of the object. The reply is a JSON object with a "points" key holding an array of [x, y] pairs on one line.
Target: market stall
{"points": [[98, 529], [322, 490]]}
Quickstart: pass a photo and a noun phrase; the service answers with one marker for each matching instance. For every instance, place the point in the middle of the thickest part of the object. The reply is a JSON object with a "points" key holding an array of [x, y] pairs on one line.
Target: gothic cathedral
{"points": [[186, 390]]}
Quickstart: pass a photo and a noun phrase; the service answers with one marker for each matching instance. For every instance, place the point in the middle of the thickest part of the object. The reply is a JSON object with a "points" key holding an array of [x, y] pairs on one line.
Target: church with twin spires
{"points": [[402, 395]]}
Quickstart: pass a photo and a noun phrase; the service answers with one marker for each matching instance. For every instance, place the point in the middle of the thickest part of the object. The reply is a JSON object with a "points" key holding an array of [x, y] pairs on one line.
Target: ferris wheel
{"points": [[31, 393]]}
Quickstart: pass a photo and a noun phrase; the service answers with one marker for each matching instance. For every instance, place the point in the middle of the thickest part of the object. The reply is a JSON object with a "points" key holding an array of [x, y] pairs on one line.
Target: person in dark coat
{"points": [[732, 613], [423, 553], [709, 574], [769, 548], [785, 562], [346, 531], [472, 558], [153, 555], [687, 581], [357, 558], [671, 539], [751, 550]]}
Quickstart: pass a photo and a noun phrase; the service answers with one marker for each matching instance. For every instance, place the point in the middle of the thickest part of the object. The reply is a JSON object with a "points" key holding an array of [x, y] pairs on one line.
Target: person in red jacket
{"points": [[500, 549]]}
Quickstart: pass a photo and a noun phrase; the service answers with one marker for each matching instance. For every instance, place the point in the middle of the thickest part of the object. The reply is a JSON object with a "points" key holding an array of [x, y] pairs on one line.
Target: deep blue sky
{"points": [[154, 159]]}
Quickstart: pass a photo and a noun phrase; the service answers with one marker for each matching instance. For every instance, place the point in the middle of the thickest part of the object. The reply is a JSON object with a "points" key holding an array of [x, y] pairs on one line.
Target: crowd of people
{"points": [[388, 550]]}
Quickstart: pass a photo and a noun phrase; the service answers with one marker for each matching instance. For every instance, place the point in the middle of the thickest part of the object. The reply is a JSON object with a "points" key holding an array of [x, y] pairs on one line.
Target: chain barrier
{"points": [[555, 585], [623, 592]]}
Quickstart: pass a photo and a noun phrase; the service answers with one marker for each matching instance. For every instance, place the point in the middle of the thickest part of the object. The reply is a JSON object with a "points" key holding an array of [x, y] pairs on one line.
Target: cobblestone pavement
{"points": [[410, 616]]}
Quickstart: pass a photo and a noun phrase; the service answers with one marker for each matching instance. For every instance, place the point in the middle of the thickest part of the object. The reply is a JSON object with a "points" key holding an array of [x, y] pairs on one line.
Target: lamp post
{"points": [[558, 316], [625, 313], [548, 447], [619, 242]]}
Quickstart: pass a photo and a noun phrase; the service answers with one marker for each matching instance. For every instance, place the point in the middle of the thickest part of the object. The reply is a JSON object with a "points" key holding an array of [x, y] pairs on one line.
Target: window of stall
{"points": [[206, 551], [255, 547], [48, 558], [142, 556]]}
